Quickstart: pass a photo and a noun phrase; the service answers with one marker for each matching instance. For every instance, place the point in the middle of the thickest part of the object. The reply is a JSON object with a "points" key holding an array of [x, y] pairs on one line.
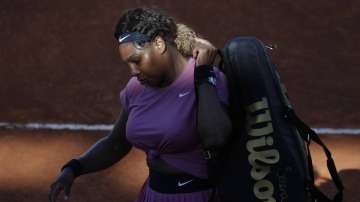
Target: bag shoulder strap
{"points": [[309, 135]]}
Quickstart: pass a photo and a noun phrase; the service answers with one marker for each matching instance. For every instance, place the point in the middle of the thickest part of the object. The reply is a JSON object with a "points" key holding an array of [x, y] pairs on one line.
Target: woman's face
{"points": [[149, 63]]}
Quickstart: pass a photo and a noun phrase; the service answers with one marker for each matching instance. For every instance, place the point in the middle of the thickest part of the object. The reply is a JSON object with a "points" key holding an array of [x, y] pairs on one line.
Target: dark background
{"points": [[59, 60]]}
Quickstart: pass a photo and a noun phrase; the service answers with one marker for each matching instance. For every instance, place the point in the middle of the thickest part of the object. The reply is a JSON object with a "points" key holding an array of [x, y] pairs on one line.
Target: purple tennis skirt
{"points": [[148, 195]]}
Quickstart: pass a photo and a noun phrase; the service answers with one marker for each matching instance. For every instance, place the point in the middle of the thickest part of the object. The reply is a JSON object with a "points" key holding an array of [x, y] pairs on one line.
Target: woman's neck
{"points": [[179, 64]]}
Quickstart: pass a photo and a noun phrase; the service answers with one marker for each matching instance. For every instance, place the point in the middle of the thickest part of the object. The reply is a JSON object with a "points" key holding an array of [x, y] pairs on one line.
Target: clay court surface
{"points": [[30, 160]]}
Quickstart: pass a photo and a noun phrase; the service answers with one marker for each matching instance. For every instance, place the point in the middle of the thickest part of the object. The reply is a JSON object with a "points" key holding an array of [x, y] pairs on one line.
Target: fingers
{"points": [[204, 52], [55, 191], [67, 192], [195, 52], [205, 56], [203, 42], [63, 182]]}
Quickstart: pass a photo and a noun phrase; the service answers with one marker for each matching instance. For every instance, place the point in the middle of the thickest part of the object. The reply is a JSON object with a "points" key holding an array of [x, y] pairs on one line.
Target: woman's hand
{"points": [[63, 182], [204, 52]]}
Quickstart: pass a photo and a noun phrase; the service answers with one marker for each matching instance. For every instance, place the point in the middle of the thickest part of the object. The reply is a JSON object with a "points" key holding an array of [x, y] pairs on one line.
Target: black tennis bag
{"points": [[267, 158]]}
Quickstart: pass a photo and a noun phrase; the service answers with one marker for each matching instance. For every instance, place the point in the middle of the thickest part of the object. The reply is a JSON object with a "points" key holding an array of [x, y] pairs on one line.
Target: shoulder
{"points": [[132, 88], [129, 92], [219, 73], [220, 76], [222, 85]]}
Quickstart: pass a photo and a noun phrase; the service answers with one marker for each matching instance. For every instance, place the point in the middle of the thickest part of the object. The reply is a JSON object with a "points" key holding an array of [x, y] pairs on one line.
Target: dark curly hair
{"points": [[149, 21]]}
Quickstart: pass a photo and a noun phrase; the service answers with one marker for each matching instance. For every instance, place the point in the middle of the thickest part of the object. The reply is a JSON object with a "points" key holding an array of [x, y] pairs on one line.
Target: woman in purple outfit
{"points": [[160, 113]]}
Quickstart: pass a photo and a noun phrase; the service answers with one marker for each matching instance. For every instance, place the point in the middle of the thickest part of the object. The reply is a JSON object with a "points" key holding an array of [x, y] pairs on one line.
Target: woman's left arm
{"points": [[214, 124]]}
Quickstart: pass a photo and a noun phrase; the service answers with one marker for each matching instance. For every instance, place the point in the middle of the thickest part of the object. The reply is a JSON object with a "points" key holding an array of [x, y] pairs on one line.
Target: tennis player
{"points": [[173, 108]]}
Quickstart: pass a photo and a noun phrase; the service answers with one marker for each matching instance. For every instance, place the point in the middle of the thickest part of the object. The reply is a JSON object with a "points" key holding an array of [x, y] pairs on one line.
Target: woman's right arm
{"points": [[104, 153], [107, 150]]}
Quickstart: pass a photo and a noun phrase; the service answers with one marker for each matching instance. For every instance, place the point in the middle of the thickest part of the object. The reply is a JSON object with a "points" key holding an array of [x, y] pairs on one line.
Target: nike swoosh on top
{"points": [[184, 183], [183, 94]]}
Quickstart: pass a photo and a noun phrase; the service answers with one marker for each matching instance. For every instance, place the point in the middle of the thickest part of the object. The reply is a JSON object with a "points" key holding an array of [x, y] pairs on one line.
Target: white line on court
{"points": [[57, 126], [107, 127]]}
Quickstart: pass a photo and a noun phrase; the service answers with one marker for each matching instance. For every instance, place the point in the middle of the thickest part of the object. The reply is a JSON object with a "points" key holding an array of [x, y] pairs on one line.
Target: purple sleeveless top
{"points": [[162, 121]]}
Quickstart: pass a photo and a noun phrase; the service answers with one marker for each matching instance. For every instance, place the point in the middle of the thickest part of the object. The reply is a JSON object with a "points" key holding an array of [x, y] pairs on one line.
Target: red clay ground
{"points": [[30, 160]]}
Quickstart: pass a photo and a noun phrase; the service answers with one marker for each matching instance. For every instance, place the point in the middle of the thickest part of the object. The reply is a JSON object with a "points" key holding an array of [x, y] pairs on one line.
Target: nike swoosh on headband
{"points": [[123, 38], [133, 36]]}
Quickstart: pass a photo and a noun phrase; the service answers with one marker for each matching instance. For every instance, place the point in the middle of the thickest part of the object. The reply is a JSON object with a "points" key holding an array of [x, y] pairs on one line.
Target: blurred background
{"points": [[60, 69]]}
